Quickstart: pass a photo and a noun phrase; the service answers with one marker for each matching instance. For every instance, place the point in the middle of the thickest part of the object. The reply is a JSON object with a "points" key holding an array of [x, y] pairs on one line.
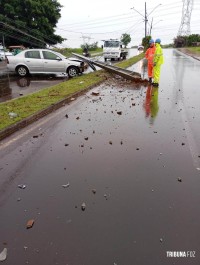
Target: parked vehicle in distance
{"points": [[43, 61], [112, 49]]}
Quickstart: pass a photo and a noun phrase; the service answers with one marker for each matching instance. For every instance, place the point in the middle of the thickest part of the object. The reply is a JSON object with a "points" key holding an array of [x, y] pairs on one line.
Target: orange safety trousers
{"points": [[149, 55]]}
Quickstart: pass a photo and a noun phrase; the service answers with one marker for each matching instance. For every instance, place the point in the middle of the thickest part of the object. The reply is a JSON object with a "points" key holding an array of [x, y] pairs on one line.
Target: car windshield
{"points": [[112, 43], [60, 55]]}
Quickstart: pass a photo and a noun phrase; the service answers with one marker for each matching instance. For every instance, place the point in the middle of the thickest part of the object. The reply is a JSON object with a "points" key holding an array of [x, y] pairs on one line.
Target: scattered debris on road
{"points": [[94, 191], [22, 186], [30, 223], [65, 185], [83, 206], [95, 93], [3, 254]]}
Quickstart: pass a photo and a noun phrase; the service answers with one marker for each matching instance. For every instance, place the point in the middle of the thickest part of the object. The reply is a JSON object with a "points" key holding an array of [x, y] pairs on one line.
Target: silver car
{"points": [[43, 61]]}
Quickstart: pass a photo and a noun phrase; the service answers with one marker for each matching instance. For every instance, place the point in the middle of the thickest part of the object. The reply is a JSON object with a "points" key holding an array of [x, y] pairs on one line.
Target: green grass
{"points": [[131, 61], [196, 50], [68, 51], [28, 105]]}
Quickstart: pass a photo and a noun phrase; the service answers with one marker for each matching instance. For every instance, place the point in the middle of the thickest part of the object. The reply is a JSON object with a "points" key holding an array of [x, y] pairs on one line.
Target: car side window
{"points": [[50, 56], [32, 54]]}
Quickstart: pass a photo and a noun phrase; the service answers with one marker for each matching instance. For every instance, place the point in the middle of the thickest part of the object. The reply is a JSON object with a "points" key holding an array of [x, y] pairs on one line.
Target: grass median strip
{"points": [[28, 105]]}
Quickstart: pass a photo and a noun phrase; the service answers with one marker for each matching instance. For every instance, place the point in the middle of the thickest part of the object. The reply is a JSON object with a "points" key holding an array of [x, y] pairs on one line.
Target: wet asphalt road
{"points": [[137, 147]]}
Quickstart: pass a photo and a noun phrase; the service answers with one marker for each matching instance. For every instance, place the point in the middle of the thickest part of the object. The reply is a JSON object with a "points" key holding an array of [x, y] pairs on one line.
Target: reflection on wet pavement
{"points": [[13, 87], [151, 103]]}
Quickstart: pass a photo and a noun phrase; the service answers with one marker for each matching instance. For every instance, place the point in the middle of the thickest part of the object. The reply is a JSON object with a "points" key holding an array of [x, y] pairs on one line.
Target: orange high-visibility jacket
{"points": [[149, 55]]}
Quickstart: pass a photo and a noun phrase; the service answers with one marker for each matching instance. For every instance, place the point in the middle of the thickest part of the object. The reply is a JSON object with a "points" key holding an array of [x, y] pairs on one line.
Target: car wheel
{"points": [[72, 71], [22, 70]]}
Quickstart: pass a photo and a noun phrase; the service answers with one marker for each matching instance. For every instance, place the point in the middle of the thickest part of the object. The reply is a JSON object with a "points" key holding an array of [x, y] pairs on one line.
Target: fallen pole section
{"points": [[127, 74]]}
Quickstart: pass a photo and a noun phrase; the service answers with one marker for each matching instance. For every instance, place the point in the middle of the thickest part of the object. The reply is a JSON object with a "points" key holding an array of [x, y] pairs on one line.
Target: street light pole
{"points": [[151, 26]]}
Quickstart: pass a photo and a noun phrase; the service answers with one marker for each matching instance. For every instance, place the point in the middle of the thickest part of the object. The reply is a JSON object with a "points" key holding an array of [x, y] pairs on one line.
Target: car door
{"points": [[53, 63], [34, 61]]}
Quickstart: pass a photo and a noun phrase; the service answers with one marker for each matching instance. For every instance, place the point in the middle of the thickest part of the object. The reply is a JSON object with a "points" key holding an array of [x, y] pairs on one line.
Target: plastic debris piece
{"points": [[161, 240], [30, 223], [66, 116], [86, 138], [180, 179], [3, 254], [119, 112], [65, 185], [83, 206], [12, 114], [22, 186]]}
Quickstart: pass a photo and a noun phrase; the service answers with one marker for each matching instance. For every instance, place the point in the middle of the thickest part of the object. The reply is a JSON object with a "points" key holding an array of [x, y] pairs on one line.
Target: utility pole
{"points": [[151, 26], [145, 19], [145, 16]]}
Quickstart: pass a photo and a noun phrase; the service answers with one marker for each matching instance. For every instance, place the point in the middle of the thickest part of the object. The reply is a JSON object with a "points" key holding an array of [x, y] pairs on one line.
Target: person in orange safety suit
{"points": [[149, 55]]}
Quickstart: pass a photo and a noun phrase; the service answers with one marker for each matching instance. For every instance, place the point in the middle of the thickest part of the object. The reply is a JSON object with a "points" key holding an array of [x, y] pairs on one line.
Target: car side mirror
{"points": [[58, 59]]}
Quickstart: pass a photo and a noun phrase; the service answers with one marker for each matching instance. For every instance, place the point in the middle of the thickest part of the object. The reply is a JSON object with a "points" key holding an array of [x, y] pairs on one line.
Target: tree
{"points": [[183, 41], [145, 42], [30, 22], [125, 39], [91, 47]]}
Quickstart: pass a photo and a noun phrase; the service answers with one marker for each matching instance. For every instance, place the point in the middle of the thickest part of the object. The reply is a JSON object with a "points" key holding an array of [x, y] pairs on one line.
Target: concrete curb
{"points": [[36, 116], [189, 54]]}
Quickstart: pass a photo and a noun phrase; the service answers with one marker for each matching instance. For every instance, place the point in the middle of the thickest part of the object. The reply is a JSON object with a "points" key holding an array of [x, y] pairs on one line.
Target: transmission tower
{"points": [[184, 29]]}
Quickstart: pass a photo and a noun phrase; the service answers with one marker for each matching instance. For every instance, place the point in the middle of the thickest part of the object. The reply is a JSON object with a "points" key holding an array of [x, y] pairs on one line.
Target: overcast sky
{"points": [[93, 21]]}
